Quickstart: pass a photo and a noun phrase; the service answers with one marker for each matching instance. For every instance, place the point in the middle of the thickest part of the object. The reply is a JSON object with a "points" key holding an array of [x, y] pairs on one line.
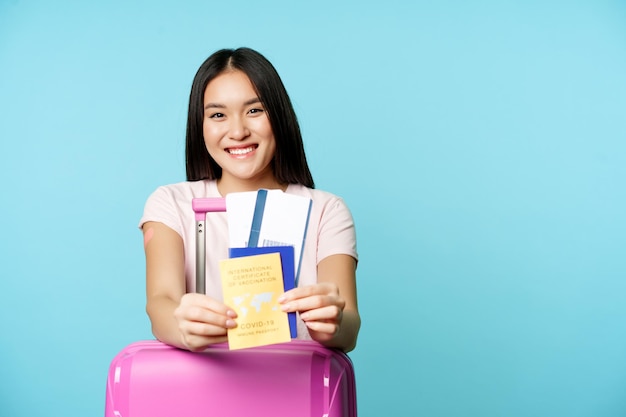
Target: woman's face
{"points": [[237, 133]]}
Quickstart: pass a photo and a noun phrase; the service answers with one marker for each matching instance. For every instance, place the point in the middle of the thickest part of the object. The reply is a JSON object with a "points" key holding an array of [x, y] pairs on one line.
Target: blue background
{"points": [[481, 146]]}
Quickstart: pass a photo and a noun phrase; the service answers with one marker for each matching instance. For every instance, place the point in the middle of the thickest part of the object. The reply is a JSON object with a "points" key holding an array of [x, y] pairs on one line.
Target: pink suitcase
{"points": [[295, 379]]}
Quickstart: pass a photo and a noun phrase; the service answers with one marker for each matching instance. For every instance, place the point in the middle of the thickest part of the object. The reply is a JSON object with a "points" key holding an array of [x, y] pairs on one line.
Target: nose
{"points": [[237, 129]]}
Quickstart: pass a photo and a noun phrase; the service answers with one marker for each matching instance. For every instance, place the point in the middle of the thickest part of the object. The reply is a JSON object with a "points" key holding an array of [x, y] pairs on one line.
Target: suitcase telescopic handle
{"points": [[202, 206]]}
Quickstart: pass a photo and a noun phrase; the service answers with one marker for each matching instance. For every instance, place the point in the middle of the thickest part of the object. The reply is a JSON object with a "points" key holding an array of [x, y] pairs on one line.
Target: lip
{"points": [[241, 151]]}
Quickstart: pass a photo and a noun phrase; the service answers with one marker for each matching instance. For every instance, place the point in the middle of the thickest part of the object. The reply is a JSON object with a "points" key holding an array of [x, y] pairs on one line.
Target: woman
{"points": [[243, 135]]}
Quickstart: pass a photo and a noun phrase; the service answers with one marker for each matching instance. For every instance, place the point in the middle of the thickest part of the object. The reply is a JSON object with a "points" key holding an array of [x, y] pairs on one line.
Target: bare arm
{"points": [[329, 308], [189, 321]]}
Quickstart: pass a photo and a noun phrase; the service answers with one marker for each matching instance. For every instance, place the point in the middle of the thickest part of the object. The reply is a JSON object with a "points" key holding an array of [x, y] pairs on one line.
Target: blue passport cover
{"points": [[288, 269]]}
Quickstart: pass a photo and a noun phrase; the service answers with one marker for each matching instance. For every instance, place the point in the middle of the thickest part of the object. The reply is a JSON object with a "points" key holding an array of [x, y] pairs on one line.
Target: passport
{"points": [[251, 285]]}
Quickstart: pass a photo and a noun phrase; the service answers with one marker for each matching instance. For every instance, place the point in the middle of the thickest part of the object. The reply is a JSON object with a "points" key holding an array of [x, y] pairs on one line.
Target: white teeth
{"points": [[241, 151]]}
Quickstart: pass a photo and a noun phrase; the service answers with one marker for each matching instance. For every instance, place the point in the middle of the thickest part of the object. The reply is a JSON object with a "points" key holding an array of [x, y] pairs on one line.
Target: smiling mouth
{"points": [[241, 151]]}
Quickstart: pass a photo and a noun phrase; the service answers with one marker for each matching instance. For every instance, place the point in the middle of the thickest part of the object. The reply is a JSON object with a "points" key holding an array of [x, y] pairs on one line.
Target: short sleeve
{"points": [[337, 233], [161, 207]]}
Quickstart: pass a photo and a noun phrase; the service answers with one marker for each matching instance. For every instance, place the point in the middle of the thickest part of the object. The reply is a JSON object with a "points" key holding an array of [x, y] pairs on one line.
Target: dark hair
{"points": [[289, 163]]}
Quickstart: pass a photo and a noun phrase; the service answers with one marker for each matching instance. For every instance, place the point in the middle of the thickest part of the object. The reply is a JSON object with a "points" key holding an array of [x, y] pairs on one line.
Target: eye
{"points": [[216, 116], [256, 111]]}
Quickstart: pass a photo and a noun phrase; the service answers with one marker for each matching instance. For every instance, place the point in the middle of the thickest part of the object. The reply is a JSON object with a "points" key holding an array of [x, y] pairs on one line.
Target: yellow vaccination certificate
{"points": [[251, 286]]}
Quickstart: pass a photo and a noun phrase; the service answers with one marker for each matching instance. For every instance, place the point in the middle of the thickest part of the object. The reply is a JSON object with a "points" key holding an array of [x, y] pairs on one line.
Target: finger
{"points": [[208, 303], [191, 328], [202, 316], [199, 343], [313, 302], [329, 329], [324, 288], [329, 313], [197, 336]]}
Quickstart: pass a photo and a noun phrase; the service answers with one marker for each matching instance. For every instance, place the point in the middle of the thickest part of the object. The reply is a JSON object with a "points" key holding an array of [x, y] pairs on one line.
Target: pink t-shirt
{"points": [[330, 230]]}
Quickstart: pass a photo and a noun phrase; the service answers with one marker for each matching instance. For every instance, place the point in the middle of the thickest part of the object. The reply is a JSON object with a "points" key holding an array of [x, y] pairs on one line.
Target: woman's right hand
{"points": [[203, 321]]}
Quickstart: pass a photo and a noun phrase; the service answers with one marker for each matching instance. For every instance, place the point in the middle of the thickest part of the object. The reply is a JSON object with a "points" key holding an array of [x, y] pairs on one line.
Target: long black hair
{"points": [[289, 163]]}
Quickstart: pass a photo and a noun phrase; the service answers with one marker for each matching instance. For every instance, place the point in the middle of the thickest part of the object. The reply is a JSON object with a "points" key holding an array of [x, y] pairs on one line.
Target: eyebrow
{"points": [[222, 106]]}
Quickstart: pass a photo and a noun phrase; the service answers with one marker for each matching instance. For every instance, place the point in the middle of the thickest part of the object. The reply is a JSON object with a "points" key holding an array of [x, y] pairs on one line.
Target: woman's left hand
{"points": [[320, 307]]}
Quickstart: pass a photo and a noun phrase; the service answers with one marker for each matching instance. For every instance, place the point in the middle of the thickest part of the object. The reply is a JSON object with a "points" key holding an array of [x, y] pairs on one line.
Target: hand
{"points": [[320, 307], [203, 321]]}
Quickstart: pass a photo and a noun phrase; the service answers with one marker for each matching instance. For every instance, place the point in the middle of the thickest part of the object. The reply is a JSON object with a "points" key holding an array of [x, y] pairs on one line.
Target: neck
{"points": [[229, 185]]}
